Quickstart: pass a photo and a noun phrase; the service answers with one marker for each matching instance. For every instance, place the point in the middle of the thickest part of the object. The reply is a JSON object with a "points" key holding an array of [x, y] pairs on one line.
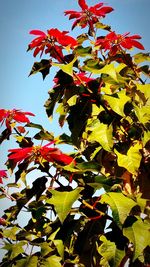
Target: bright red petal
{"points": [[19, 154], [73, 14], [37, 32], [82, 4], [3, 114], [137, 45], [103, 11]]}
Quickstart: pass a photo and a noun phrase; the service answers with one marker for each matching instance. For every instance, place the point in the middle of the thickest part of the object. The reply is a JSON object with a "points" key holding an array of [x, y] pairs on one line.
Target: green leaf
{"points": [[146, 137], [132, 160], [108, 69], [67, 68], [72, 100], [11, 232], [141, 57], [43, 66], [45, 249], [142, 113], [100, 25], [15, 249], [52, 261], [101, 133], [145, 89], [88, 166], [28, 261], [60, 247], [83, 51], [139, 235], [109, 252], [117, 103], [34, 125], [119, 204], [44, 135], [63, 201]]}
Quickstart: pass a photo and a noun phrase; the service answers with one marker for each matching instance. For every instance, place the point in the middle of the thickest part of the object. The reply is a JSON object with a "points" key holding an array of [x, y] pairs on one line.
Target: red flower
{"points": [[3, 174], [48, 42], [88, 15], [116, 42], [38, 153], [10, 116], [20, 154]]}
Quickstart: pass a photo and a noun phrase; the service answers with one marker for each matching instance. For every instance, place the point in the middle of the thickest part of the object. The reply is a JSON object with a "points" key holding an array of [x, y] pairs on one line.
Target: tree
{"points": [[90, 207]]}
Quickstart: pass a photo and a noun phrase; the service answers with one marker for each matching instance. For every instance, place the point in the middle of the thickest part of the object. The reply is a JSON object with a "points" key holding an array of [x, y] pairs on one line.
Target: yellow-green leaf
{"points": [[146, 137], [132, 160], [72, 100], [110, 253], [117, 103], [142, 113], [102, 134], [144, 88], [63, 201], [139, 235], [120, 205], [67, 68], [52, 261]]}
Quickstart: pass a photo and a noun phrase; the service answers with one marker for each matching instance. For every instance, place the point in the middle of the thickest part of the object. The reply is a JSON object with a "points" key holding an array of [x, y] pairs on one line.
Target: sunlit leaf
{"points": [[102, 133], [30, 261], [144, 88], [11, 232], [130, 161], [109, 252], [141, 57], [15, 249], [67, 68], [72, 100], [63, 201], [146, 137], [142, 113], [53, 261], [117, 103], [60, 247], [46, 249], [139, 235], [119, 204]]}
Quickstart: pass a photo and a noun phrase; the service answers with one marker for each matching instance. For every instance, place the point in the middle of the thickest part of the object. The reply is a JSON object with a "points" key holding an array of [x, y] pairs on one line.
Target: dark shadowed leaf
{"points": [[43, 66]]}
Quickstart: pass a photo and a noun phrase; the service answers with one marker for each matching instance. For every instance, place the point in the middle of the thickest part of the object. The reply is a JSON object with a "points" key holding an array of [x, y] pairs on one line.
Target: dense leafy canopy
{"points": [[90, 207]]}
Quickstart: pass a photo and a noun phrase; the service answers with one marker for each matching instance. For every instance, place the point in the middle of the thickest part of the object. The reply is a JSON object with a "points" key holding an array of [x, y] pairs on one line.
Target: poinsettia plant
{"points": [[89, 207]]}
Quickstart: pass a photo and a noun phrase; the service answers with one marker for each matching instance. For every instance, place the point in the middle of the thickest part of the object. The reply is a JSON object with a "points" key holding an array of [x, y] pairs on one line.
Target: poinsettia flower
{"points": [[3, 174], [88, 15], [117, 42], [14, 115], [38, 153], [51, 42]]}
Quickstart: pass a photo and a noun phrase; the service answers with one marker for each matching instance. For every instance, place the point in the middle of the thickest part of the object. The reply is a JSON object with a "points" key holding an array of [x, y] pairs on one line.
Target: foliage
{"points": [[89, 207]]}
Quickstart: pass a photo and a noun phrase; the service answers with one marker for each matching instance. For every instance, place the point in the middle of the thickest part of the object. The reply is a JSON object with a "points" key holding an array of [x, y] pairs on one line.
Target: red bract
{"points": [[3, 174], [37, 153], [88, 15], [14, 115], [48, 42], [116, 42]]}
